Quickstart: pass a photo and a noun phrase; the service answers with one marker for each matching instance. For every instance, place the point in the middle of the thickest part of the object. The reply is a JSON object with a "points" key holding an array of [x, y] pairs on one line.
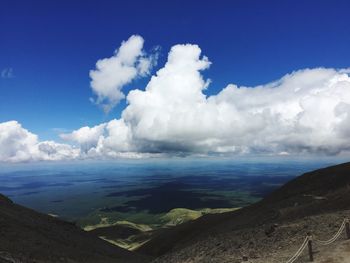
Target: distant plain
{"points": [[142, 192]]}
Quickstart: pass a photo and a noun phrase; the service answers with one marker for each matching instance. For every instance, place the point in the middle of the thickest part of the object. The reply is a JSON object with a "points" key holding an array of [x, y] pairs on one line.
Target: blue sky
{"points": [[47, 49], [52, 45]]}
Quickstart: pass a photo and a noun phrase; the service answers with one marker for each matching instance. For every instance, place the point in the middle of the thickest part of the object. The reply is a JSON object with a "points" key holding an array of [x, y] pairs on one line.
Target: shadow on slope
{"points": [[29, 236]]}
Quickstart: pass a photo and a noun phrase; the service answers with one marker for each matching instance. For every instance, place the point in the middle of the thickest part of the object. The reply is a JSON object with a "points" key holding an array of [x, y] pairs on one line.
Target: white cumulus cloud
{"points": [[112, 74], [304, 112], [86, 137], [16, 143], [19, 145]]}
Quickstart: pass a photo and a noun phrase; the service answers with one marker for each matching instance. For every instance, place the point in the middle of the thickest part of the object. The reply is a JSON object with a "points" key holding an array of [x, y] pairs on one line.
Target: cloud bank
{"points": [[304, 112]]}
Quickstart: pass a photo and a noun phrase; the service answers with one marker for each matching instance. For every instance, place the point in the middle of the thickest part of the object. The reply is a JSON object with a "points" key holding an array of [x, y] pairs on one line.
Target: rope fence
{"points": [[300, 250], [334, 238], [309, 240]]}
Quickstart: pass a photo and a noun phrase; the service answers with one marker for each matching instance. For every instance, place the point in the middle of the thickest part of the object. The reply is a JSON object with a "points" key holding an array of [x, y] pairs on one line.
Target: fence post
{"points": [[347, 228], [309, 244]]}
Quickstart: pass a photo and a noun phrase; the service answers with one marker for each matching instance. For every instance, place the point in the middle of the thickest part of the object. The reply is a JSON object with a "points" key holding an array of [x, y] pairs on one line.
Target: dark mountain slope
{"points": [[324, 189], [29, 236], [312, 193]]}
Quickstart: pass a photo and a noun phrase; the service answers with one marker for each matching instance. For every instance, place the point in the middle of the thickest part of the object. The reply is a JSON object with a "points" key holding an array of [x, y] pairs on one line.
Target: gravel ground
{"points": [[269, 243]]}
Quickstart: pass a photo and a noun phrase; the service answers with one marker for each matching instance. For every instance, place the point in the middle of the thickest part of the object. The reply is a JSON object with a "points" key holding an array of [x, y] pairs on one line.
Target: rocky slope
{"points": [[268, 243], [322, 196]]}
